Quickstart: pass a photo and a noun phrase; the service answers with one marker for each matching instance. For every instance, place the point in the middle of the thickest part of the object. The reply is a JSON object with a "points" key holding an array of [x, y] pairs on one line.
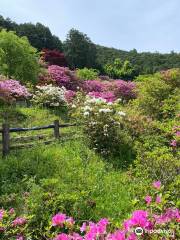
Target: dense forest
{"points": [[81, 52]]}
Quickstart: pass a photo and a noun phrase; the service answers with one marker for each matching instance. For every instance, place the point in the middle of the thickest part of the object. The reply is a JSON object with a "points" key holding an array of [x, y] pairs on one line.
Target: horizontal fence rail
{"points": [[6, 140], [39, 128]]}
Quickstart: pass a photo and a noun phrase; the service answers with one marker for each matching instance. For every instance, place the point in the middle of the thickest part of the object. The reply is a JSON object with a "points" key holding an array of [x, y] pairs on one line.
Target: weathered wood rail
{"points": [[6, 140]]}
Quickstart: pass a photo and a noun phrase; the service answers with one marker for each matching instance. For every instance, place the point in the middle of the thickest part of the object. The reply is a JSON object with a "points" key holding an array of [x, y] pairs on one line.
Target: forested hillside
{"points": [[81, 52]]}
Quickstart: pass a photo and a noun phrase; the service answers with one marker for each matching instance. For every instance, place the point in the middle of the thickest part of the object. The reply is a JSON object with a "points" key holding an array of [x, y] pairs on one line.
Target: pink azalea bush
{"points": [[93, 86], [12, 226], [70, 95], [14, 88], [155, 221], [118, 88], [59, 75], [124, 89], [64, 77]]}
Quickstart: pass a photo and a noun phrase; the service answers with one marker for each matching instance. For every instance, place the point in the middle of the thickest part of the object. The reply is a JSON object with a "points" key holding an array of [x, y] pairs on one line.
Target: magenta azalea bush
{"points": [[64, 77], [155, 221], [59, 75], [93, 86], [15, 89], [124, 89], [117, 88]]}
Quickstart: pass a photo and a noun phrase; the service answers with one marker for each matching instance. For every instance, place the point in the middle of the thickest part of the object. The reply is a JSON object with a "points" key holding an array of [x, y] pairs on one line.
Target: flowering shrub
{"points": [[12, 226], [5, 97], [14, 89], [50, 96], [156, 220], [103, 123], [63, 77], [45, 79], [69, 95], [93, 86], [124, 89]]}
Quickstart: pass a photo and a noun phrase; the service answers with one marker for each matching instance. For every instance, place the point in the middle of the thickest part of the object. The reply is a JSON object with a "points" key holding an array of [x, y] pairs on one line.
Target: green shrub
{"points": [[119, 69], [159, 163], [158, 94], [87, 74]]}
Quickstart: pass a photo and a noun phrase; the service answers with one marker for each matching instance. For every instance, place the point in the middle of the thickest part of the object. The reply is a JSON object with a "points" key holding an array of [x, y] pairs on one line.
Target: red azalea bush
{"points": [[54, 57]]}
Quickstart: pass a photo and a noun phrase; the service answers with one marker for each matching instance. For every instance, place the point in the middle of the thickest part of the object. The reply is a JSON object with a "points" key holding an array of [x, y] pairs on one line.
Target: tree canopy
{"points": [[79, 50], [18, 59], [38, 35]]}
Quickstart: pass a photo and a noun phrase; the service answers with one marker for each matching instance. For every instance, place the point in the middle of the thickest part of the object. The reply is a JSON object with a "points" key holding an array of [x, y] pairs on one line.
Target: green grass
{"points": [[72, 171]]}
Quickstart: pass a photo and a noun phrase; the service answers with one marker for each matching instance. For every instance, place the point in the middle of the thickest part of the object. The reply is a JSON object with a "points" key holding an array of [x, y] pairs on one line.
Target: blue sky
{"points": [[147, 25]]}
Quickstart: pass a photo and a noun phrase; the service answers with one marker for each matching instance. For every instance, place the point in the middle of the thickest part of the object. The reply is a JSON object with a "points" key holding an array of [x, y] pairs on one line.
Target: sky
{"points": [[146, 25]]}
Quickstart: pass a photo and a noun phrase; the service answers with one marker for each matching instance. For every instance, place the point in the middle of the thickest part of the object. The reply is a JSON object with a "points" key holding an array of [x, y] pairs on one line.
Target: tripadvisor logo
{"points": [[138, 231]]}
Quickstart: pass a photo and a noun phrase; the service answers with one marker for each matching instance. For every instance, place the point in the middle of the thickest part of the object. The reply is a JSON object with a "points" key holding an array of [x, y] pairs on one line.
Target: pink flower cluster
{"points": [[59, 75], [69, 95], [117, 88], [139, 218], [19, 221], [1, 214], [15, 89], [63, 77], [108, 96], [168, 216], [124, 89], [93, 86], [174, 143], [144, 219], [60, 219]]}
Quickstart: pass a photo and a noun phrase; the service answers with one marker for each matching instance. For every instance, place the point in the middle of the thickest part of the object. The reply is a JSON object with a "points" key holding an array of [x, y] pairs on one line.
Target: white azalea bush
{"points": [[50, 96], [103, 124]]}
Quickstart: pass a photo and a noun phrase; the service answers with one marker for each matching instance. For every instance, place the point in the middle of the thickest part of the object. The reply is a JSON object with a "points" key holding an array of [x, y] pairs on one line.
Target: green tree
{"points": [[87, 73], [18, 59], [7, 24], [79, 50], [119, 69], [39, 36]]}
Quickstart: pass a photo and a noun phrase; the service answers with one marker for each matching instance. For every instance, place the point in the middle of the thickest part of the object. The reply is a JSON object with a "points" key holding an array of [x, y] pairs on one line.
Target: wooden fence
{"points": [[6, 140]]}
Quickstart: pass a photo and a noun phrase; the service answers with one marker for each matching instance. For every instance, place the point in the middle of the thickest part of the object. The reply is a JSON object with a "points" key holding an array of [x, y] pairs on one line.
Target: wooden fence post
{"points": [[5, 139], [56, 129]]}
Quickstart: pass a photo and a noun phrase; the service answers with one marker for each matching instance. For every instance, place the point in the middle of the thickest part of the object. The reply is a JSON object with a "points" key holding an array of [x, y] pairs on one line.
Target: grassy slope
{"points": [[78, 169]]}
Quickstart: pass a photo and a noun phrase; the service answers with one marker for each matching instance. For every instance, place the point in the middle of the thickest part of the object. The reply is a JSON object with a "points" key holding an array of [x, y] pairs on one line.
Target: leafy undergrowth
{"points": [[67, 177]]}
